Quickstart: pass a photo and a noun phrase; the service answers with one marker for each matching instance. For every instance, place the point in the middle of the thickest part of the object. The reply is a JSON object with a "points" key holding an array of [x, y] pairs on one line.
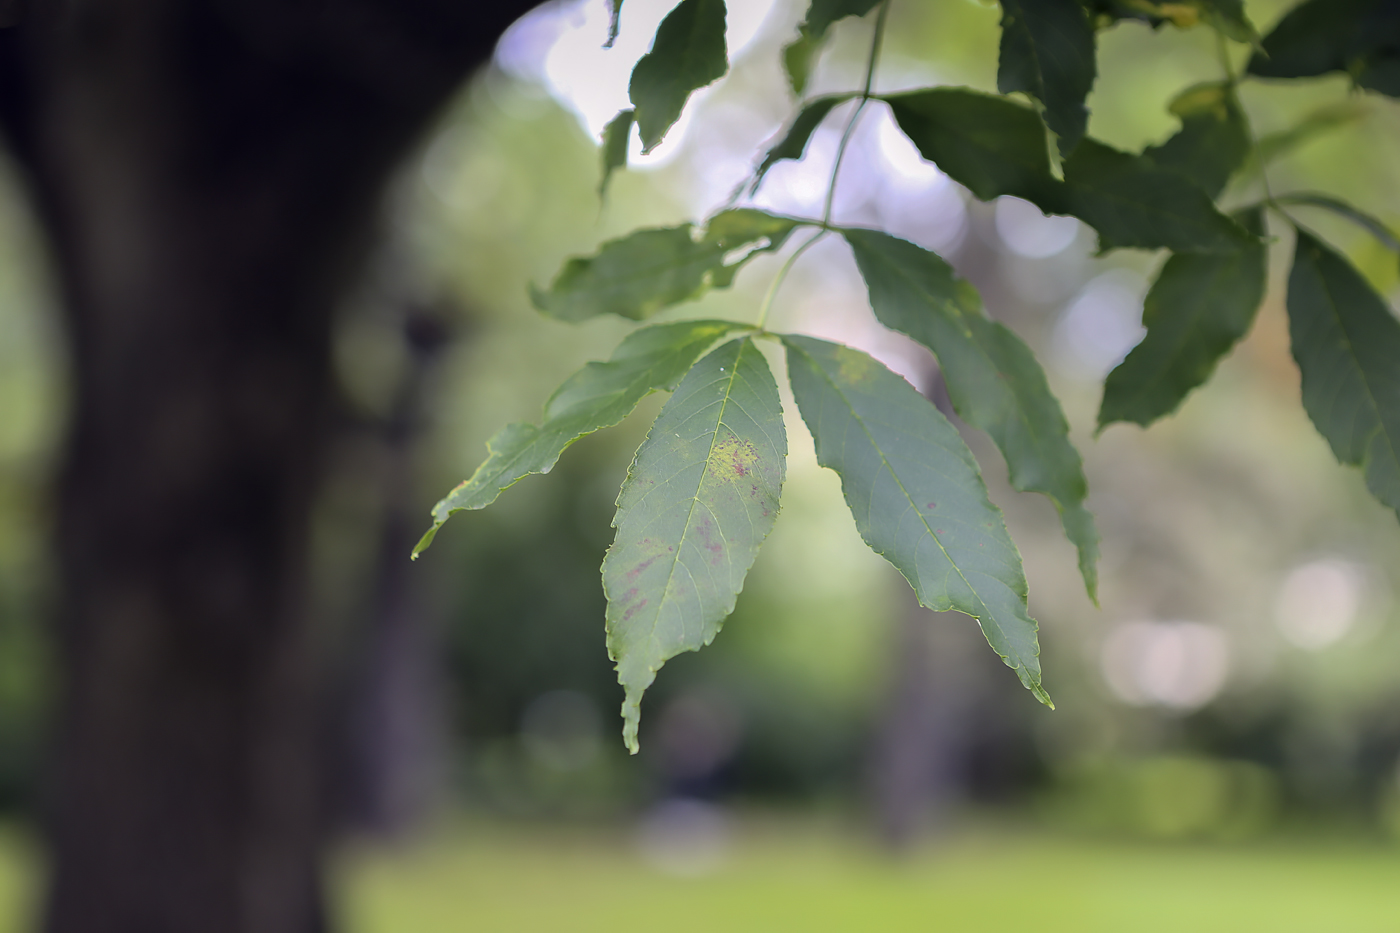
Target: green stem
{"points": [[781, 276], [1223, 49], [876, 41]]}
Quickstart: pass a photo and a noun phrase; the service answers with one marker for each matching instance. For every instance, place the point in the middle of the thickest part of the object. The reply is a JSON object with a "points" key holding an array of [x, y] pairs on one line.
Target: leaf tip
{"points": [[425, 541]]}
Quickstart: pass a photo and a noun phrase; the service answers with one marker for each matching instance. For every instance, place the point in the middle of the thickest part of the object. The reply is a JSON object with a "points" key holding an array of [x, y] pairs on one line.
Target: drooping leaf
{"points": [[799, 55], [993, 379], [916, 495], [598, 396], [994, 147], [794, 141], [616, 135], [614, 22], [1047, 52], [1365, 221], [1347, 342], [647, 270], [1213, 141], [687, 54], [699, 499], [1132, 202], [988, 144], [1360, 38], [1198, 308]]}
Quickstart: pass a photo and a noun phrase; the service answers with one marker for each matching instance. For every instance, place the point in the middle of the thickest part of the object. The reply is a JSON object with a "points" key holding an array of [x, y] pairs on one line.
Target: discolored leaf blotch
{"points": [[915, 493], [1346, 342], [598, 396], [687, 54], [1047, 52], [638, 275], [993, 378], [699, 499], [1198, 308]]}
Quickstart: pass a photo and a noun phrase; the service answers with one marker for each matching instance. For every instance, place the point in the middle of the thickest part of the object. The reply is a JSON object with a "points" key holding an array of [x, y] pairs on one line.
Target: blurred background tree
{"points": [[251, 400]]}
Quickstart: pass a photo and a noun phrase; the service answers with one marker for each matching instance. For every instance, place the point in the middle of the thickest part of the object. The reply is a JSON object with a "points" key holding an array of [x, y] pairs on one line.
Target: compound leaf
{"points": [[1213, 141], [648, 270], [699, 499], [794, 141], [799, 54], [993, 379], [598, 396], [1047, 52], [1346, 342], [616, 136], [687, 54], [915, 493], [1198, 308]]}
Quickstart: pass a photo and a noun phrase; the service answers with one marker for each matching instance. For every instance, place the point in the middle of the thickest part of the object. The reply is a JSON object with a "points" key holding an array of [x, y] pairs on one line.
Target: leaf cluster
{"points": [[705, 486]]}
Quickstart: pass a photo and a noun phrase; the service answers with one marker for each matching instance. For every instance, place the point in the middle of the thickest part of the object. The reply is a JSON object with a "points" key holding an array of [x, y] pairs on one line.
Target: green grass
{"points": [[802, 877]]}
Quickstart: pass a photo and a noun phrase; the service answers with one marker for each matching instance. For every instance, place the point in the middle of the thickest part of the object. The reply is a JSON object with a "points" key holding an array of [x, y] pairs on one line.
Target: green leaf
{"points": [[1316, 123], [614, 22], [687, 54], [915, 493], [1047, 52], [794, 141], [996, 147], [1347, 342], [1228, 18], [1132, 202], [993, 378], [1198, 308], [598, 396], [1365, 221], [616, 135], [648, 270], [799, 55], [1357, 37], [699, 499], [1225, 16], [988, 144], [1213, 141]]}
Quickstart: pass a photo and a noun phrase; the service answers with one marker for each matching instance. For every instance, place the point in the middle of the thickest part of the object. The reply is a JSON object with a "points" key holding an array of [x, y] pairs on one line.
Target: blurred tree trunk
{"points": [[208, 173]]}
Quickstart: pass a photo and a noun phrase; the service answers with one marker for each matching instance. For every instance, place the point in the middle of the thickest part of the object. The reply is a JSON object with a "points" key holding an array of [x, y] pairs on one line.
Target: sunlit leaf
{"points": [[1132, 202], [794, 141], [1365, 221], [616, 136], [1198, 308], [1047, 52], [1360, 38], [687, 54], [598, 396], [799, 55], [1316, 123], [993, 379], [699, 499], [1213, 141], [915, 493], [1347, 342], [996, 147], [647, 270]]}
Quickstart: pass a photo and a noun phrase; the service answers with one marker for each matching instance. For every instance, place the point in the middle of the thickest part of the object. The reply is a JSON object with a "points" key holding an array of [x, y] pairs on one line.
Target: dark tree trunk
{"points": [[208, 173]]}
